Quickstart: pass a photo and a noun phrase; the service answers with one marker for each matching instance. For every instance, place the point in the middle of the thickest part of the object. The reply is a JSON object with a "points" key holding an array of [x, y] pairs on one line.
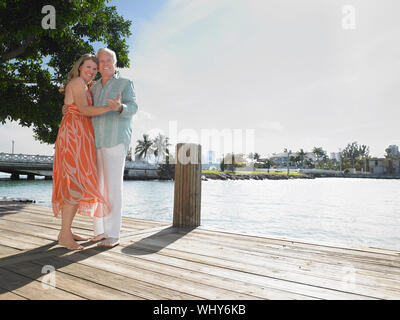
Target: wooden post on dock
{"points": [[187, 192]]}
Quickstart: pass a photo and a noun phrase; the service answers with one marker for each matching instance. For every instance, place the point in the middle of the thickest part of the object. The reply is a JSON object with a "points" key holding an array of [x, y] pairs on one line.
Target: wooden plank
{"points": [[193, 272], [226, 281], [361, 282], [243, 274], [52, 222], [366, 277], [143, 232], [383, 266], [95, 269], [30, 289], [49, 226], [38, 231], [268, 244], [175, 283], [300, 244], [13, 235], [201, 263], [268, 270], [300, 266], [39, 210], [5, 251], [70, 264], [10, 296], [72, 284], [84, 227], [145, 290]]}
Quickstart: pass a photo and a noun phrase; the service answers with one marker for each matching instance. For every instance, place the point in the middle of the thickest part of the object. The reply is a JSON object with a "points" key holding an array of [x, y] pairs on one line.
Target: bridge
{"points": [[41, 165]]}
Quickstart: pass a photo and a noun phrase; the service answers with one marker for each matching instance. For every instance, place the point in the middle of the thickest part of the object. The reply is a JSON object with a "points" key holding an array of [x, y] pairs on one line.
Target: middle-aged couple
{"points": [[91, 147]]}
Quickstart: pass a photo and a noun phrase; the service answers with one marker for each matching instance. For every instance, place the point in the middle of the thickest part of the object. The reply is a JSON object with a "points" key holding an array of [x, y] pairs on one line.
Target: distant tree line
{"points": [[353, 156]]}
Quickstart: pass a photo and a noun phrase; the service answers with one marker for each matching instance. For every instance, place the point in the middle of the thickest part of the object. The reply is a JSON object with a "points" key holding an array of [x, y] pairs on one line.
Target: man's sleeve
{"points": [[128, 101]]}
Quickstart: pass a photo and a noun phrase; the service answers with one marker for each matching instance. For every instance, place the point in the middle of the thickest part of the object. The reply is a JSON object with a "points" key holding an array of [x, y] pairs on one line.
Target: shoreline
{"points": [[253, 176], [205, 176]]}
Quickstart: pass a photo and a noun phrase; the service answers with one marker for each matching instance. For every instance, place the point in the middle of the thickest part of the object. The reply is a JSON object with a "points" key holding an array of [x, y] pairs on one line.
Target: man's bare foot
{"points": [[79, 238], [109, 242], [67, 241], [98, 237]]}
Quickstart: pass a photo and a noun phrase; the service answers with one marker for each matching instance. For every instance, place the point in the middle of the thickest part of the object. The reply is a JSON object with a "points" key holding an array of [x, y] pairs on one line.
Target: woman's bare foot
{"points": [[67, 241], [98, 237], [109, 242], [79, 238]]}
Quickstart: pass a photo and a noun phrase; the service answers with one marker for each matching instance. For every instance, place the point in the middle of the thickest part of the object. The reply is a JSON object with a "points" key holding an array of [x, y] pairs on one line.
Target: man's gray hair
{"points": [[110, 52]]}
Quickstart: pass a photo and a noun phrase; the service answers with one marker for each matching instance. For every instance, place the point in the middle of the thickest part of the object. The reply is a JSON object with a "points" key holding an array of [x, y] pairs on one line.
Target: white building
{"points": [[335, 156]]}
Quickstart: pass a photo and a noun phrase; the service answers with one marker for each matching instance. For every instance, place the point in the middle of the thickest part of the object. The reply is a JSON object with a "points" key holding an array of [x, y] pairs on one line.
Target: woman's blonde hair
{"points": [[75, 69]]}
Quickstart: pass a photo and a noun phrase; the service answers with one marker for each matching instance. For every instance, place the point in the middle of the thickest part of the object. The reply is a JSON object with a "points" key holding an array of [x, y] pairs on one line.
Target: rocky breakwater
{"points": [[252, 176]]}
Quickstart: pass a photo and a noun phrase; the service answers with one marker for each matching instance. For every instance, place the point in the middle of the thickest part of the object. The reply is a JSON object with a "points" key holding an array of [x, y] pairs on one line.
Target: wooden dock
{"points": [[157, 261]]}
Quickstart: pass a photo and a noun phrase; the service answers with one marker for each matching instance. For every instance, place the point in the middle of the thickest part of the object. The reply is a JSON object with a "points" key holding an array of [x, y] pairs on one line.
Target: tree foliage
{"points": [[144, 147], [232, 161], [35, 61], [353, 151], [392, 152]]}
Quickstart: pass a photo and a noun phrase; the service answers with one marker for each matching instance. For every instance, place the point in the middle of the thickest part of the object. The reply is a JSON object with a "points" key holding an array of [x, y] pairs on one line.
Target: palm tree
{"points": [[160, 147], [319, 153], [143, 149], [301, 156]]}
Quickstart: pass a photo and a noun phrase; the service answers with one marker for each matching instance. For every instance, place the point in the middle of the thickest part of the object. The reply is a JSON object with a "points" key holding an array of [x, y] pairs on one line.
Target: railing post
{"points": [[187, 192]]}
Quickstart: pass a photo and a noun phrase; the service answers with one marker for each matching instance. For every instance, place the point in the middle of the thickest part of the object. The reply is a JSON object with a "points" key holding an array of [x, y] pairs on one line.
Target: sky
{"points": [[259, 75]]}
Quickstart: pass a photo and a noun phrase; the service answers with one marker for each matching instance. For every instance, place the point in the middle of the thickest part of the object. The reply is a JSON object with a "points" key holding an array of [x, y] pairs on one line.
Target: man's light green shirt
{"points": [[113, 128]]}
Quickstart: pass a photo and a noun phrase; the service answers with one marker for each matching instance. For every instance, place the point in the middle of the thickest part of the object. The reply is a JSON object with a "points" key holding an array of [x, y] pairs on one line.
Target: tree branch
{"points": [[18, 51]]}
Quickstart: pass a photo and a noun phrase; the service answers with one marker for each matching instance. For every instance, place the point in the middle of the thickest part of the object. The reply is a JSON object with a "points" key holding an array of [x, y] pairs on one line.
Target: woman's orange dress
{"points": [[75, 179]]}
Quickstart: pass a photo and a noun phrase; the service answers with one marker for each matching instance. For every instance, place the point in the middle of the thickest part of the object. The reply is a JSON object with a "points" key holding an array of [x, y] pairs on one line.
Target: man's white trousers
{"points": [[110, 171]]}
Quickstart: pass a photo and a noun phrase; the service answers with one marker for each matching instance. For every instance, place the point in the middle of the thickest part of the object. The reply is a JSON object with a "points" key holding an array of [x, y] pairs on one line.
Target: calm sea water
{"points": [[362, 212]]}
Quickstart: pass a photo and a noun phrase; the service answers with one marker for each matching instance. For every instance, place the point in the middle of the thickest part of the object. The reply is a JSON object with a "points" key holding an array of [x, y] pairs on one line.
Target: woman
{"points": [[75, 184]]}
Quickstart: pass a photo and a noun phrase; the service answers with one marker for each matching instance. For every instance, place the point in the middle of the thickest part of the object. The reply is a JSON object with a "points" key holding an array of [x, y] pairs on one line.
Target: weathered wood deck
{"points": [[156, 261]]}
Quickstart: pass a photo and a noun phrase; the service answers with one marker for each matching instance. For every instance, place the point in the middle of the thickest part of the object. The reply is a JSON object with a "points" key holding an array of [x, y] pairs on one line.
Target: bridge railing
{"points": [[10, 158], [25, 158]]}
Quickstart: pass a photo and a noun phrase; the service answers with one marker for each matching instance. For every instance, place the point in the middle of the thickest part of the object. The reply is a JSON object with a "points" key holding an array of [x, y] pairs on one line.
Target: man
{"points": [[112, 136]]}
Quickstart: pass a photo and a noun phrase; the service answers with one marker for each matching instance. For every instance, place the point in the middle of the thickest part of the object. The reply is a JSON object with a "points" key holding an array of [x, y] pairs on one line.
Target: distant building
{"points": [[211, 156], [280, 159], [384, 166], [335, 156], [209, 161], [311, 156]]}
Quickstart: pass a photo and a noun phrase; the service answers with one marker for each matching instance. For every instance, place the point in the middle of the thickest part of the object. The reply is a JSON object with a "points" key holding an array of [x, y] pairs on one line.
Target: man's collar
{"points": [[115, 76]]}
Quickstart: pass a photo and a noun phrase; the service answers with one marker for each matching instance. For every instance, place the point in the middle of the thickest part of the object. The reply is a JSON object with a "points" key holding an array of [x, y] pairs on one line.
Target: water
{"points": [[362, 212]]}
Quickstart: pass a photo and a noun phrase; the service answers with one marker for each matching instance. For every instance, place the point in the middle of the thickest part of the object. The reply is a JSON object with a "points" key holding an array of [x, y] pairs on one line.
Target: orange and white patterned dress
{"points": [[75, 179]]}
